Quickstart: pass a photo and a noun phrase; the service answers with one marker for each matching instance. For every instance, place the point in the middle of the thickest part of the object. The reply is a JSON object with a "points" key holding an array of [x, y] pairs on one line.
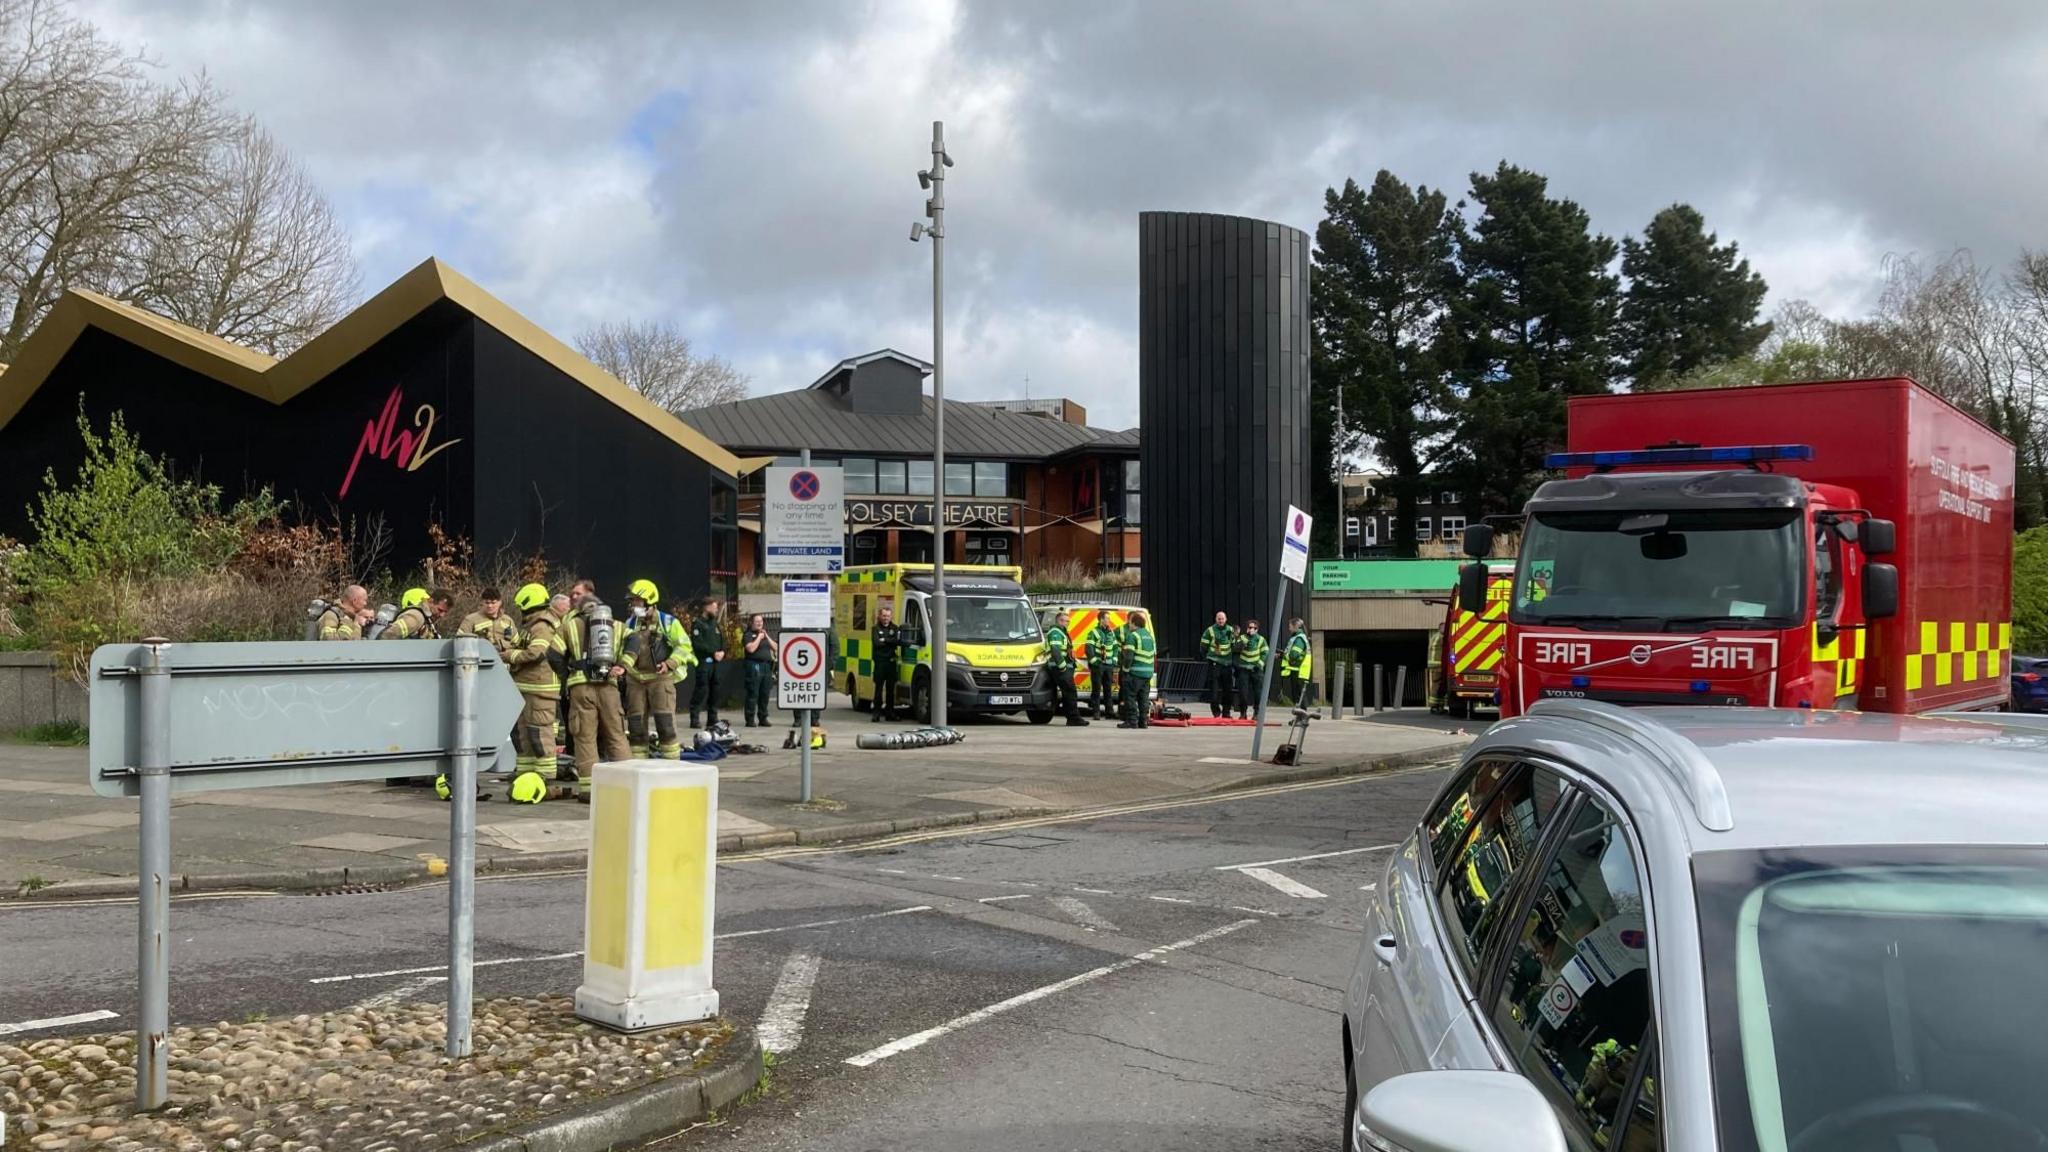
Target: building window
{"points": [[1451, 498], [1423, 497], [991, 480], [860, 476], [1132, 477], [889, 477], [1422, 529], [1452, 527], [920, 477], [959, 479]]}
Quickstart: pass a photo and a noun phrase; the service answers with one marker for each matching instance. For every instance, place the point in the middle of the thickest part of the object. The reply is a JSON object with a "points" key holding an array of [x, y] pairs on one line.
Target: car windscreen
{"points": [[1877, 998], [990, 620], [1691, 569]]}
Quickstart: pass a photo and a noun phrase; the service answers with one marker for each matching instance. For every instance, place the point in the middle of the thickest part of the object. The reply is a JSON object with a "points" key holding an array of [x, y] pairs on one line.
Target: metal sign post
{"points": [[1294, 567], [802, 687], [171, 719]]}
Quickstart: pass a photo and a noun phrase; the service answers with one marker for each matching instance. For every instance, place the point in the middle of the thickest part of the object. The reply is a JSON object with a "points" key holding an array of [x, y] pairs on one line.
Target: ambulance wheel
{"points": [[921, 698], [1038, 717], [853, 690]]}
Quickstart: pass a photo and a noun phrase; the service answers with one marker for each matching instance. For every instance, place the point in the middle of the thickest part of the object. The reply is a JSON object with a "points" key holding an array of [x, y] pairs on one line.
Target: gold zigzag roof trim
{"points": [[277, 381]]}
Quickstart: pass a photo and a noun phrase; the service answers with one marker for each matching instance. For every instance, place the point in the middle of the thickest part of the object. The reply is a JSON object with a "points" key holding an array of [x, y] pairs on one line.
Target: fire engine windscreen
{"points": [[1680, 571], [991, 620]]}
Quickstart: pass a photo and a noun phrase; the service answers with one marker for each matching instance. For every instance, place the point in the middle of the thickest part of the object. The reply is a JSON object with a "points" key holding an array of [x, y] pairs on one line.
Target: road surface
{"points": [[1163, 977]]}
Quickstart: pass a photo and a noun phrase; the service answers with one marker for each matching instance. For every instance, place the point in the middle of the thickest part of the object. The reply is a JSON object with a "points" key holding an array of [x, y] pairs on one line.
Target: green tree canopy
{"points": [[1535, 321], [1691, 302], [1386, 274]]}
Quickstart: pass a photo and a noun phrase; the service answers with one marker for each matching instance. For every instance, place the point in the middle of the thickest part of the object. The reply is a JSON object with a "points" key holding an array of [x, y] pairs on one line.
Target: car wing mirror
{"points": [[1454, 1110]]}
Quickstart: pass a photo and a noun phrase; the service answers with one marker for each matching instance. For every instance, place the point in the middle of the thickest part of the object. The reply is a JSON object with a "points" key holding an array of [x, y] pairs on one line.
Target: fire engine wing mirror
{"points": [[1479, 541], [1879, 537], [1880, 591], [1472, 586]]}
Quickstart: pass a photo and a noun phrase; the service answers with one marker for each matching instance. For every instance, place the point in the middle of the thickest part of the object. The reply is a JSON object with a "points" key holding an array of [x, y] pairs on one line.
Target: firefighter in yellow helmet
{"points": [[537, 657], [656, 656], [419, 615], [597, 721]]}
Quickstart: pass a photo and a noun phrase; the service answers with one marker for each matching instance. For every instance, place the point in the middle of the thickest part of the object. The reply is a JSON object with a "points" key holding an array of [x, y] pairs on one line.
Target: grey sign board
{"points": [[267, 714]]}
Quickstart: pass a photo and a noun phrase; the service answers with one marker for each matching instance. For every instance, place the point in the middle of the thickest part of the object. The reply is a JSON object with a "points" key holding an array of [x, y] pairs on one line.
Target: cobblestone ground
{"points": [[367, 1079]]}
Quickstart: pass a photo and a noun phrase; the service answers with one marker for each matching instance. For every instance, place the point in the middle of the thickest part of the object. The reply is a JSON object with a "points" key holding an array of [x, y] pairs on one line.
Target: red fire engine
{"points": [[1866, 564]]}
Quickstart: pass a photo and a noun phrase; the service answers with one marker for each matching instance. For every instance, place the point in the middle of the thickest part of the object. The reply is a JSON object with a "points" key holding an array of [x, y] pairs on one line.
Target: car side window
{"points": [[1575, 1005], [1452, 816], [1496, 848]]}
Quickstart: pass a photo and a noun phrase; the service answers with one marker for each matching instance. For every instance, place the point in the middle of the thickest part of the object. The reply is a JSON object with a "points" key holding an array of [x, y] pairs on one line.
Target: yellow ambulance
{"points": [[995, 649]]}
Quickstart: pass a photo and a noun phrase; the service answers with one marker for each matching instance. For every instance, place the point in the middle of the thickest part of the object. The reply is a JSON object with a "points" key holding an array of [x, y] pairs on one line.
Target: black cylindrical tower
{"points": [[1223, 350]]}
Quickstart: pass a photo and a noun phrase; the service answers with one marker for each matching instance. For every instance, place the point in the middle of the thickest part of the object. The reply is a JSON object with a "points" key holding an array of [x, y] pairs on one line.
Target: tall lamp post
{"points": [[934, 180]]}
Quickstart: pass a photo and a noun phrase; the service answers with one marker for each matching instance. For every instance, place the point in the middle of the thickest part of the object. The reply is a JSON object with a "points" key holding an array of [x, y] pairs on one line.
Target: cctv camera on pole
{"points": [[934, 181]]}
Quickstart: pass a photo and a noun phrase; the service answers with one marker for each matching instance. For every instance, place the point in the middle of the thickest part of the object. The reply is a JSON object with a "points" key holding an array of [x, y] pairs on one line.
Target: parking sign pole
{"points": [[1266, 676], [462, 847], [803, 757], [153, 917]]}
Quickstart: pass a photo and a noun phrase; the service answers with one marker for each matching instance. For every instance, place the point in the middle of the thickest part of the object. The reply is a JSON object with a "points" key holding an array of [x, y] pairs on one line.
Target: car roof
{"points": [[1758, 777]]}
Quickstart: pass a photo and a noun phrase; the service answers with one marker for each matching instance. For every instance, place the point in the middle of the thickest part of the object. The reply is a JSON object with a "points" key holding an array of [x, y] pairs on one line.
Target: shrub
{"points": [[2030, 592]]}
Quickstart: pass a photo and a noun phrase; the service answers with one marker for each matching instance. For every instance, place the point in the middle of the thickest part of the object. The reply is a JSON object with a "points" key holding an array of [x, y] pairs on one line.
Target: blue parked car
{"points": [[2029, 684]]}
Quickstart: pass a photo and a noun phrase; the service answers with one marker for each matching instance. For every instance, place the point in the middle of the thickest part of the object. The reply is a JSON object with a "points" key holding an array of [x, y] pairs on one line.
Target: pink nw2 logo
{"points": [[406, 448]]}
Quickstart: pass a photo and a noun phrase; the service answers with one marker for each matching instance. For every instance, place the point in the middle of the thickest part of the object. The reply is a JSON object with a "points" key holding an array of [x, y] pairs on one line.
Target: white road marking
{"points": [[402, 992], [955, 879], [893, 871], [1000, 899], [782, 1022], [1285, 884], [1096, 891], [1368, 887], [920, 1039], [1299, 859], [427, 968], [1169, 899], [824, 923], [1088, 917], [1253, 911], [441, 968], [56, 1021]]}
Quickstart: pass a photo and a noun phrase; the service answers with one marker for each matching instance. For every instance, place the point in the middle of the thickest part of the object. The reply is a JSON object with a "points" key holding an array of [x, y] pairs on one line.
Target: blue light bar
{"points": [[1582, 681], [1733, 454], [1700, 685]]}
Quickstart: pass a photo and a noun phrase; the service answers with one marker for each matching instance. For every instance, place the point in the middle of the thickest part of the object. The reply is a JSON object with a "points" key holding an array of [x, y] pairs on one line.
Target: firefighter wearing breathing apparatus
{"points": [[656, 655], [597, 721], [536, 657]]}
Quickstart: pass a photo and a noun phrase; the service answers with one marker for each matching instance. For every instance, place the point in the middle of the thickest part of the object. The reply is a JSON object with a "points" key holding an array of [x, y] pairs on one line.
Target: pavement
{"points": [[59, 839], [1160, 975]]}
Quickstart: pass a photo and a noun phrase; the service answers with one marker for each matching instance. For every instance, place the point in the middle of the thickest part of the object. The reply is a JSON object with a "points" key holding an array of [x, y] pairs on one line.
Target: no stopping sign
{"points": [[802, 677]]}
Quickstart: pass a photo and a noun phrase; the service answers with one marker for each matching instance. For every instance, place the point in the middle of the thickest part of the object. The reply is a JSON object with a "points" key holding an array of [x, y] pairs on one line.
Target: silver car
{"points": [[1733, 929]]}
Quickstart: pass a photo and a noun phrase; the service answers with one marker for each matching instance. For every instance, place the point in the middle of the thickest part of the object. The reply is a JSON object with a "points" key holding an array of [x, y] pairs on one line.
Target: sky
{"points": [[747, 170]]}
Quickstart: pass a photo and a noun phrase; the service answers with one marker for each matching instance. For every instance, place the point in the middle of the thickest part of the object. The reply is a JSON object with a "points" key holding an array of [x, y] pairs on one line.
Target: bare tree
{"points": [[655, 359], [152, 192]]}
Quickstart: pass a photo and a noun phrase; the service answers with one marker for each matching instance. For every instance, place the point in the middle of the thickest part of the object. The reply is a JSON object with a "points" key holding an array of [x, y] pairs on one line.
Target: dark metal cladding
{"points": [[1223, 395]]}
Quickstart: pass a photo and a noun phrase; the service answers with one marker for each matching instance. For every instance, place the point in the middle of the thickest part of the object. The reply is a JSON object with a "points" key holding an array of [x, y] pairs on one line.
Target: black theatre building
{"points": [[431, 404]]}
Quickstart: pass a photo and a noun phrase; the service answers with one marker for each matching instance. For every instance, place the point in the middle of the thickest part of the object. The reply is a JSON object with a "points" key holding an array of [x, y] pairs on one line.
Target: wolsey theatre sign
{"points": [[918, 513]]}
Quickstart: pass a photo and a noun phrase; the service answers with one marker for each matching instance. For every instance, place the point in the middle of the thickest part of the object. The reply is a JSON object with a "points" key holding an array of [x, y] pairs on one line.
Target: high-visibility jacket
{"points": [[1251, 650], [336, 624], [1219, 643], [412, 624], [1140, 648], [535, 653], [1105, 643], [1059, 649], [498, 631], [646, 637], [1295, 660]]}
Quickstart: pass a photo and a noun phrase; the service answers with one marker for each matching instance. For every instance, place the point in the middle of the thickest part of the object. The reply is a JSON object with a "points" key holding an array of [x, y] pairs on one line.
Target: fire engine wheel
{"points": [[1461, 708]]}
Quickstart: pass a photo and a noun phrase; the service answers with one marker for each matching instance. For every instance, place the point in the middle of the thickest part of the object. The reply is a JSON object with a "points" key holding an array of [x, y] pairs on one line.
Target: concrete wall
{"points": [[31, 692]]}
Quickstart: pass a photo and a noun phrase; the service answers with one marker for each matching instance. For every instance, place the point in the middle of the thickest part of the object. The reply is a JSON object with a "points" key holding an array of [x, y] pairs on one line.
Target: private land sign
{"points": [[803, 520]]}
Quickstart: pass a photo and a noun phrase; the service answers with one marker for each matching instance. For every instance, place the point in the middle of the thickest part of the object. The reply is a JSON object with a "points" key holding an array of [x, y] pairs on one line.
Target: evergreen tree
{"points": [[1385, 275], [1690, 302], [1536, 323]]}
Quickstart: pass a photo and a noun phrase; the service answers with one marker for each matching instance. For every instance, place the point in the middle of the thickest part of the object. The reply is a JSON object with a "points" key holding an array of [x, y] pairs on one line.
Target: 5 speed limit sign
{"points": [[803, 670]]}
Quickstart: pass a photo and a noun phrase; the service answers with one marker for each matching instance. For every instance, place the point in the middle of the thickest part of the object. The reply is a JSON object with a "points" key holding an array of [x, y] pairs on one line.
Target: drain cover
{"points": [[1023, 840]]}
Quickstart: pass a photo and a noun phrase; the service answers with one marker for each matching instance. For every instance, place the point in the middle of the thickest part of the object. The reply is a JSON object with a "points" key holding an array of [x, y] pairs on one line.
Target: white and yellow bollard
{"points": [[650, 895]]}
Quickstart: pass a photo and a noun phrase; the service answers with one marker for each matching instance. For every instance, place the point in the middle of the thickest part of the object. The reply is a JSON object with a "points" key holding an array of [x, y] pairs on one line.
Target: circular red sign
{"points": [[804, 485], [803, 656], [1298, 523]]}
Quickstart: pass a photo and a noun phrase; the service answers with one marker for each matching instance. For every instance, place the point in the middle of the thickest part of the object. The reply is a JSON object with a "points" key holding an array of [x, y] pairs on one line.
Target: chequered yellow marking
{"points": [[1983, 652]]}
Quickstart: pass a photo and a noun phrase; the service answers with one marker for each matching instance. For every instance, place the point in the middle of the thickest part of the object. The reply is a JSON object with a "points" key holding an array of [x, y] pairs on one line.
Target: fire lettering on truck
{"points": [[1563, 652], [1725, 657], [1964, 489]]}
